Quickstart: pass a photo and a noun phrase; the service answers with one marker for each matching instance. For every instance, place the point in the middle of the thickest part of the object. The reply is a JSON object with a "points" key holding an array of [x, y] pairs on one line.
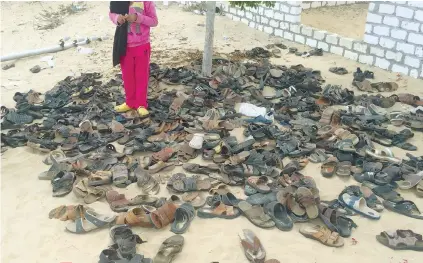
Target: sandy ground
{"points": [[344, 20], [28, 235]]}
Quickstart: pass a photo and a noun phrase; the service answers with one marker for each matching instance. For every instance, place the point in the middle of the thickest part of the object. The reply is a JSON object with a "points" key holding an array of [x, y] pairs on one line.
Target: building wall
{"points": [[393, 37]]}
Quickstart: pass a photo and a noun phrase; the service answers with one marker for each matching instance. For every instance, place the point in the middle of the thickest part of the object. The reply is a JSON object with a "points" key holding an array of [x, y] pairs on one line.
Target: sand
{"points": [[344, 20], [29, 236]]}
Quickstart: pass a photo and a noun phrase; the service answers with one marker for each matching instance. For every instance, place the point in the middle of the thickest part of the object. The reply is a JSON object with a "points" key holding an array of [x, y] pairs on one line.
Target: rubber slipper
{"points": [[291, 167], [120, 175], [244, 146], [384, 191], [384, 154], [191, 184], [256, 215], [183, 217], [410, 180], [169, 249], [305, 198], [201, 169], [253, 248], [407, 208], [259, 183], [279, 215], [346, 145], [359, 205], [406, 146], [261, 199], [343, 169], [54, 170], [318, 156], [219, 210], [62, 183], [329, 167]]}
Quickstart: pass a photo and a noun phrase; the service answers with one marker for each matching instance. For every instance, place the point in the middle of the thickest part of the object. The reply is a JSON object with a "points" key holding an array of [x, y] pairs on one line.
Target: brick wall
{"points": [[394, 34], [393, 37]]}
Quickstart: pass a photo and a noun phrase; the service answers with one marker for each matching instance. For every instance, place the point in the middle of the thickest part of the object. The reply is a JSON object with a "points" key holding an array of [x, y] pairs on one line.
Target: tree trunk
{"points": [[208, 43]]}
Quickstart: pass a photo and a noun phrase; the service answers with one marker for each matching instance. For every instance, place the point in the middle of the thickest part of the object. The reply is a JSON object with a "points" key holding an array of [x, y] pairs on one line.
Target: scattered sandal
{"points": [[401, 240], [183, 216], [169, 249], [88, 221], [323, 235], [256, 215]]}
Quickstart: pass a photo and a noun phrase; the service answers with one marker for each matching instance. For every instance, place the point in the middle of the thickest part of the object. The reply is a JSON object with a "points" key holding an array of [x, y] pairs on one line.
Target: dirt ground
{"points": [[27, 235], [344, 20]]}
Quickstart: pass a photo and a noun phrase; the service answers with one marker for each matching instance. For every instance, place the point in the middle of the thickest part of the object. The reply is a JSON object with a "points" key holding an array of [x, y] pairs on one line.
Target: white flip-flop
{"points": [[359, 205]]}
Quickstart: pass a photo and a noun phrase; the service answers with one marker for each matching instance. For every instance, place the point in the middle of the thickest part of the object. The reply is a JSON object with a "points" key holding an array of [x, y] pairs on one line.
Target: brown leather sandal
{"points": [[323, 235], [164, 215], [164, 155], [134, 217]]}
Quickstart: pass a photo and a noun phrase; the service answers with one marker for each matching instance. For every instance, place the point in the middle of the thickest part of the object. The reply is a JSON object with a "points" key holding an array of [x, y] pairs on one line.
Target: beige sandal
{"points": [[323, 235], [64, 212]]}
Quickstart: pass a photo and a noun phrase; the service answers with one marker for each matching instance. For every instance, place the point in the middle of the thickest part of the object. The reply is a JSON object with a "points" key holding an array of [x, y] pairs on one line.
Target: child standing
{"points": [[131, 48]]}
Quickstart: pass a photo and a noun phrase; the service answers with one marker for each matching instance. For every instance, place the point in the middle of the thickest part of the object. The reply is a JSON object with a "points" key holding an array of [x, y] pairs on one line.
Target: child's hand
{"points": [[121, 19], [131, 18]]}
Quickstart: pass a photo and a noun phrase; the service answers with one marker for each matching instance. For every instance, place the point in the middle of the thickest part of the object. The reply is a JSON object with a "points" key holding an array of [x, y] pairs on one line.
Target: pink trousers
{"points": [[135, 67]]}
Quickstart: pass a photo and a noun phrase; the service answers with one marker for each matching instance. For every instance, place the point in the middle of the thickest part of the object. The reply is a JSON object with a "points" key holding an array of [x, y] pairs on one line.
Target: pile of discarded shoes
{"points": [[284, 113]]}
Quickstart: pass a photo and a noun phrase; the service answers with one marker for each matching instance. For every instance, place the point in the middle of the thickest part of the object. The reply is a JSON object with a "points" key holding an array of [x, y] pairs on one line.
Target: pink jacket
{"points": [[139, 31]]}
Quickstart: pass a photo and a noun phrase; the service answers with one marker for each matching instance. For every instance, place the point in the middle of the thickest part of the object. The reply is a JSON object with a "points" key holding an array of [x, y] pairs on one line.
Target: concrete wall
{"points": [[316, 4], [393, 37]]}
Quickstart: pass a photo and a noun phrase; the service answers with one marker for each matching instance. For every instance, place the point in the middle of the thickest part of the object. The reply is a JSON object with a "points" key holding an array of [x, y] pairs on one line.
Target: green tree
{"points": [[252, 4], [208, 43]]}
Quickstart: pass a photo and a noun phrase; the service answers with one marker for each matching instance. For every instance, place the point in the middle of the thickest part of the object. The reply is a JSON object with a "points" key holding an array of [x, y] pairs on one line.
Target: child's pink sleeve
{"points": [[149, 18], [113, 17]]}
